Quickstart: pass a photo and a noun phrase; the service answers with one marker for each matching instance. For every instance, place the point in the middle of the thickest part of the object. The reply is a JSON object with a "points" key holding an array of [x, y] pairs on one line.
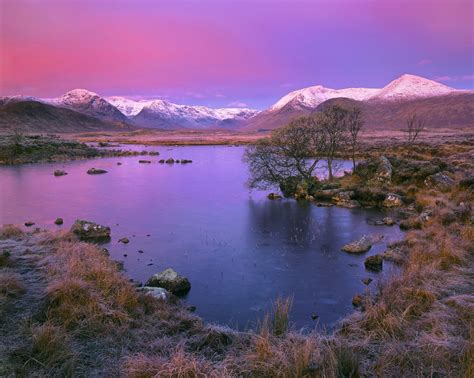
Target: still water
{"points": [[239, 250]]}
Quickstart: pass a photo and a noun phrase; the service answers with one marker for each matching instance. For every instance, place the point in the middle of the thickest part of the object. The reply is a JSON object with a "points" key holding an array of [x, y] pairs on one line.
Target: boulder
{"points": [[59, 172], [439, 181], [155, 292], [363, 244], [59, 221], [384, 170], [124, 240], [169, 161], [153, 153], [94, 171], [119, 163], [344, 199], [90, 231], [186, 161], [388, 221], [161, 161], [374, 263], [29, 223], [274, 196], [326, 194], [367, 281], [144, 161], [392, 200], [171, 281]]}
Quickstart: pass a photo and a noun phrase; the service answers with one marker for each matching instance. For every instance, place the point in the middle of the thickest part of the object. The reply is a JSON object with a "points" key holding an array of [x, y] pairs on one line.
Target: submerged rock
{"points": [[274, 196], [374, 263], [363, 244], [59, 172], [90, 231], [171, 281], [94, 171]]}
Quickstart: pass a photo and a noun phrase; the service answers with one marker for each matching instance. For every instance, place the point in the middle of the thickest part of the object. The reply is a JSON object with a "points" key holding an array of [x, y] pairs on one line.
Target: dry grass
{"points": [[11, 284], [10, 231]]}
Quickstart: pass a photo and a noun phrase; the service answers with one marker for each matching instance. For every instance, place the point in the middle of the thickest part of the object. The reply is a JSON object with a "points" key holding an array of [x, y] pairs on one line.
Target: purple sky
{"points": [[229, 53]]}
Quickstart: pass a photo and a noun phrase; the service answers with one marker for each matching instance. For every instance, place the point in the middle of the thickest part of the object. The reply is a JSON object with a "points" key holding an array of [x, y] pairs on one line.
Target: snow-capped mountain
{"points": [[411, 86], [311, 97], [87, 102], [160, 113], [405, 87], [384, 107]]}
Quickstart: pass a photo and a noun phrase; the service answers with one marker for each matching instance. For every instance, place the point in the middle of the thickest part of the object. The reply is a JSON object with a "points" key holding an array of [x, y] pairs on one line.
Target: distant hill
{"points": [[34, 116]]}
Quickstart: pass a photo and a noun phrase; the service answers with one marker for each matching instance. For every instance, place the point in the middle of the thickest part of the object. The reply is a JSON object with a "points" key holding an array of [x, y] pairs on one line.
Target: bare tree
{"points": [[355, 122], [415, 126], [292, 151], [333, 122]]}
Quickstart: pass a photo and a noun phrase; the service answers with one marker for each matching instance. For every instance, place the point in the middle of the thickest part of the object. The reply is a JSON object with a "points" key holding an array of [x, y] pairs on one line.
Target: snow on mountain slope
{"points": [[405, 87], [179, 113], [313, 96], [411, 86]]}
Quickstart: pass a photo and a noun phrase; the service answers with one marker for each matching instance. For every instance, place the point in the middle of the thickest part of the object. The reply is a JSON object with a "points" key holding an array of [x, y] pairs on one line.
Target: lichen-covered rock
{"points": [[439, 181], [392, 200], [90, 231], [344, 199], [171, 281], [374, 263], [155, 292], [94, 171], [384, 170], [363, 244]]}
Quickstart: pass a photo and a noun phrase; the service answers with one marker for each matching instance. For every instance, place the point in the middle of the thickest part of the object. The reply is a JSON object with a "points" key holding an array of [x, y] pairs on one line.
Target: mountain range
{"points": [[383, 108]]}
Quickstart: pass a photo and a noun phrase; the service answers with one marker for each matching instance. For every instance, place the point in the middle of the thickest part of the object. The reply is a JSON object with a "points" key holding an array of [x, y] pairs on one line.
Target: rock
{"points": [[153, 153], [104, 144], [324, 204], [392, 200], [144, 161], [426, 215], [186, 161], [119, 163], [362, 245], [29, 223], [439, 181], [94, 171], [59, 172], [90, 231], [384, 170], [326, 194], [395, 253], [177, 161], [274, 196], [191, 308], [367, 281], [357, 300], [171, 281], [124, 240], [298, 187], [314, 316], [119, 265], [140, 251], [169, 161], [161, 161], [374, 263], [344, 199], [155, 292], [388, 221], [59, 221]]}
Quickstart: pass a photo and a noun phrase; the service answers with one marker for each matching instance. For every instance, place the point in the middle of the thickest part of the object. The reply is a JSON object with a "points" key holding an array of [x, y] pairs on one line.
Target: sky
{"points": [[229, 52]]}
